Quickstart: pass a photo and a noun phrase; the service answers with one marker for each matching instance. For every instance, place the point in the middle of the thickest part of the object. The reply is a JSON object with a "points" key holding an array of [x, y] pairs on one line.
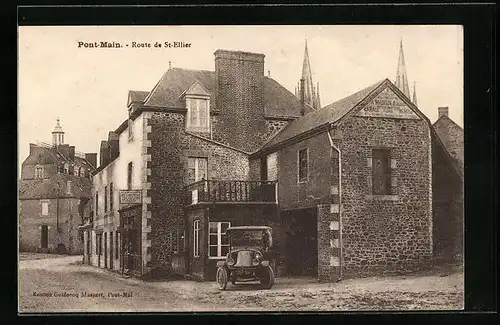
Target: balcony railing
{"points": [[230, 191]]}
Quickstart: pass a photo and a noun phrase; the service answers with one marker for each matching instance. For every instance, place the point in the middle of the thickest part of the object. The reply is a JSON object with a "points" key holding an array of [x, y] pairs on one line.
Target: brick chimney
{"points": [[442, 111], [92, 159], [239, 96], [104, 153], [64, 150]]}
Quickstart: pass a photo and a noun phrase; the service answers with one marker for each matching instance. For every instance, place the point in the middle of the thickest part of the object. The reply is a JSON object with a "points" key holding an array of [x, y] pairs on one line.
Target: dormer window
{"points": [[198, 115], [198, 108]]}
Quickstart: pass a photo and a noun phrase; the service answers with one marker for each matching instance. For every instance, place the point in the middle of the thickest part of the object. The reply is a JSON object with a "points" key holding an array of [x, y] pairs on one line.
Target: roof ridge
{"points": [[449, 118]]}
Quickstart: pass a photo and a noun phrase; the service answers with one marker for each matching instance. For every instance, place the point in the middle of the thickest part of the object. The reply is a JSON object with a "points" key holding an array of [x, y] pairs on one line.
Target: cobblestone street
{"points": [[63, 284]]}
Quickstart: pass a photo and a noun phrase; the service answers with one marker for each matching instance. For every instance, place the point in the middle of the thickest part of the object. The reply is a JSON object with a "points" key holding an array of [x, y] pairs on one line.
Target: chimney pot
{"points": [[442, 111]]}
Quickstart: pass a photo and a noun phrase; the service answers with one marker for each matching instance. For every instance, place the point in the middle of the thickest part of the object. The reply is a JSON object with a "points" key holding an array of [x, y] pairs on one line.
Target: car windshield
{"points": [[246, 238]]}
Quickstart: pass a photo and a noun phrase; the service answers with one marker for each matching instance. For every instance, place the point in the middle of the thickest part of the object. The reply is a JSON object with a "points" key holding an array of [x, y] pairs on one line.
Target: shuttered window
{"points": [[381, 172]]}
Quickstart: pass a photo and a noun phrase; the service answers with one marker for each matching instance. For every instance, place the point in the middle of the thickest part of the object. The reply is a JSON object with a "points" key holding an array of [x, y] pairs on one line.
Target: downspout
{"points": [[340, 202]]}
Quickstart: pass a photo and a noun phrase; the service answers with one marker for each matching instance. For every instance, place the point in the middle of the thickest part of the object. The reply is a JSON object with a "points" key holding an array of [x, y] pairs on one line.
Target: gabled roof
{"points": [[48, 188], [319, 117], [167, 93], [176, 81]]}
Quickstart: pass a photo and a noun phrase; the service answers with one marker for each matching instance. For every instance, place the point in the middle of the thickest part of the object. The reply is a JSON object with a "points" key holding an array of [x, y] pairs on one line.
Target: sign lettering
{"points": [[128, 197], [388, 104]]}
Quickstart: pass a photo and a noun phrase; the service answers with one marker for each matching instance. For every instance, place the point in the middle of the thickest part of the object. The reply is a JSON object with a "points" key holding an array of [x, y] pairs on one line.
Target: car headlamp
{"points": [[257, 258]]}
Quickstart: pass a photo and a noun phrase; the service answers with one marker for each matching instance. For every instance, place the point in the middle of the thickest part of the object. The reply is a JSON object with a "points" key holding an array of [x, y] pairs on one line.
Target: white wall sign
{"points": [[388, 104]]}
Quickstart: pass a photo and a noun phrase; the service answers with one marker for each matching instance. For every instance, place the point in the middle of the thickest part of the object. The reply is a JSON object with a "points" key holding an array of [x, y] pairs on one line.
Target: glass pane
{"points": [[224, 250], [191, 162], [213, 227], [224, 240], [224, 226], [203, 112], [213, 250], [202, 168], [213, 239]]}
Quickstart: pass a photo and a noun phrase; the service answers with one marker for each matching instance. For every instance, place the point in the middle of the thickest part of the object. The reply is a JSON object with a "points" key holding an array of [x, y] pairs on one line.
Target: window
{"points": [[45, 208], [303, 165], [38, 172], [219, 242], [272, 167], [196, 238], [116, 244], [66, 168], [198, 114], [129, 176], [96, 203], [105, 199], [381, 173], [110, 196], [130, 129], [44, 242], [197, 169]]}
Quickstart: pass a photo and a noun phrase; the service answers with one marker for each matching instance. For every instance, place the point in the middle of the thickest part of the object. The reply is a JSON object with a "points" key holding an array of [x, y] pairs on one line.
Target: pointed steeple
{"points": [[414, 99], [401, 76], [311, 94], [307, 76], [318, 101]]}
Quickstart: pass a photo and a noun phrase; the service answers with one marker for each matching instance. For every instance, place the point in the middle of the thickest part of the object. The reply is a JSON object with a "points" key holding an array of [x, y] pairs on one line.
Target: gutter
{"points": [[340, 200]]}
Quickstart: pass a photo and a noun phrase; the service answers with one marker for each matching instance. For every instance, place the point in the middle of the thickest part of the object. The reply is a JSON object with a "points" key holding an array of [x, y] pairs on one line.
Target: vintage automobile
{"points": [[249, 257]]}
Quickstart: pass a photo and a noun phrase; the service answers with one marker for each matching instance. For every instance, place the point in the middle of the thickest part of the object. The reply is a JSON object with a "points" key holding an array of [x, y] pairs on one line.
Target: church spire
{"points": [[401, 76], [311, 95], [414, 99]]}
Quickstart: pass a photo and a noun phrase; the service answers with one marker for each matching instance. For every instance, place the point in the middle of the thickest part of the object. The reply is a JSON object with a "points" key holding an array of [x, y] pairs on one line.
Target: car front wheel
{"points": [[222, 278], [267, 279]]}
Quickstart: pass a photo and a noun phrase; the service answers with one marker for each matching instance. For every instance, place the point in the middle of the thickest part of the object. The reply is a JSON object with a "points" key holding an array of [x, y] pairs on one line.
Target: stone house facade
{"points": [[54, 191], [348, 189]]}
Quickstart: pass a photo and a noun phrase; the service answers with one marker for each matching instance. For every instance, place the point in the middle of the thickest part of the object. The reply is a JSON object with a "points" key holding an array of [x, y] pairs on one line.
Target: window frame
{"points": [[105, 199], [196, 238], [194, 110], [197, 169], [299, 180], [219, 244], [39, 172], [42, 202]]}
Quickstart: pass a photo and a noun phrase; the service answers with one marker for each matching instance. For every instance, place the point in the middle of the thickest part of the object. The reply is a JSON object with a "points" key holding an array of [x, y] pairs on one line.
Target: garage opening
{"points": [[301, 242]]}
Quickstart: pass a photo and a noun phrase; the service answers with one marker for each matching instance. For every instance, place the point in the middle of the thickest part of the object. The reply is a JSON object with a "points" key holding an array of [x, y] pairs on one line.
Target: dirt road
{"points": [[62, 284]]}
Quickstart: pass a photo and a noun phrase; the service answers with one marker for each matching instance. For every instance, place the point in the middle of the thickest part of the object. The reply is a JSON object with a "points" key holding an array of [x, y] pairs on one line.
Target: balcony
{"points": [[213, 191]]}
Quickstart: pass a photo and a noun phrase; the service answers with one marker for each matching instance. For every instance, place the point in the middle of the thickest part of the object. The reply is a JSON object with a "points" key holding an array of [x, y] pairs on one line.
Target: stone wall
{"points": [[386, 233], [170, 148], [32, 220], [448, 212], [316, 190]]}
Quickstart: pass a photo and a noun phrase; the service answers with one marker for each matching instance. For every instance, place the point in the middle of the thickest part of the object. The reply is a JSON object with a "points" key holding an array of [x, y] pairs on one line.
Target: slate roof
{"points": [[278, 101], [44, 188], [137, 95], [52, 156], [328, 114], [451, 135]]}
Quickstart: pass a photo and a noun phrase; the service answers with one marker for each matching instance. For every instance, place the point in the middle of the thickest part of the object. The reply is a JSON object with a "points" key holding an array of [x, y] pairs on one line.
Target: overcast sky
{"points": [[87, 87]]}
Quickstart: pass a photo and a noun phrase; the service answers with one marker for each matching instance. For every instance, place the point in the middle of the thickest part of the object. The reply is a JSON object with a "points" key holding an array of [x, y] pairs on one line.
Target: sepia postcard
{"points": [[240, 168]]}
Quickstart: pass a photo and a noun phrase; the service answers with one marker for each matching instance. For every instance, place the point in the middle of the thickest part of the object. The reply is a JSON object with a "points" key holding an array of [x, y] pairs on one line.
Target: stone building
{"points": [[347, 188], [448, 189], [54, 190]]}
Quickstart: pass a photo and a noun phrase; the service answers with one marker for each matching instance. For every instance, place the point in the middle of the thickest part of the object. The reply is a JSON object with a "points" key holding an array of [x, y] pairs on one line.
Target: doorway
{"points": [[45, 237], [111, 250], [301, 242]]}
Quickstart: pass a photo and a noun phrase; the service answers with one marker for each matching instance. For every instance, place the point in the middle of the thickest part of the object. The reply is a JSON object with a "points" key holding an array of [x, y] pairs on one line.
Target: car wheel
{"points": [[267, 279], [222, 278]]}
